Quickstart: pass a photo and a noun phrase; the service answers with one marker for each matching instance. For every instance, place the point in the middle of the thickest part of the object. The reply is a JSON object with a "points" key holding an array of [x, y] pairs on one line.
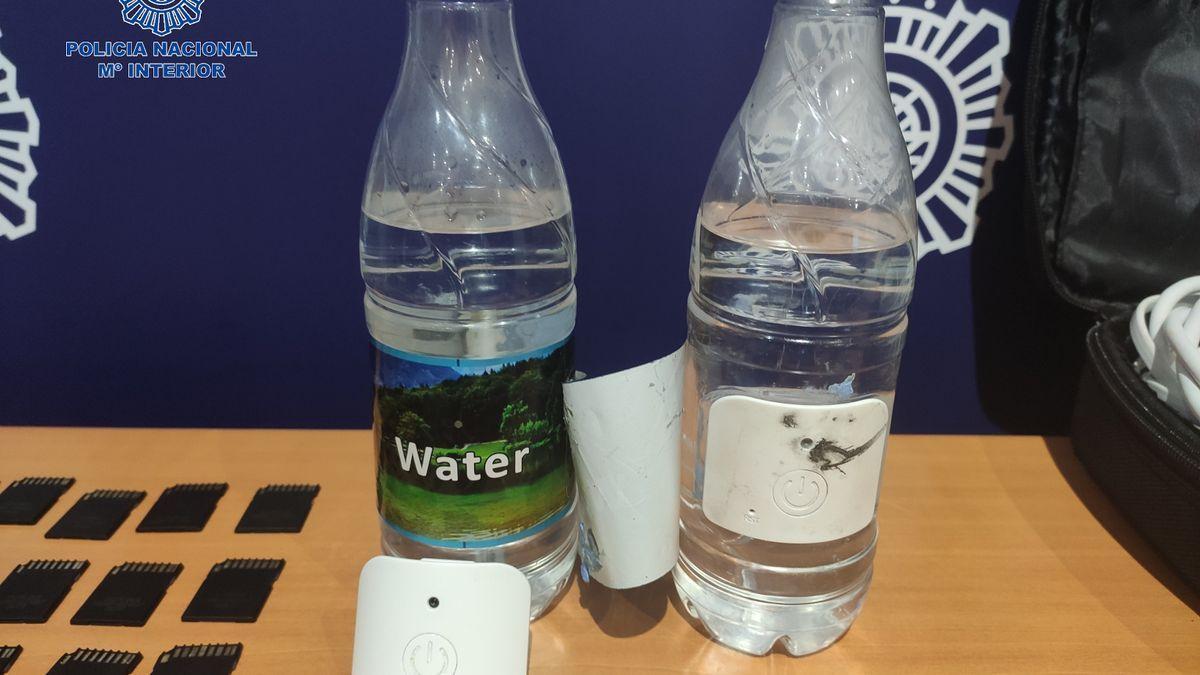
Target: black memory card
{"points": [[199, 660], [96, 515], [183, 508], [8, 656], [234, 590], [25, 501], [128, 595], [33, 590], [278, 508], [96, 662]]}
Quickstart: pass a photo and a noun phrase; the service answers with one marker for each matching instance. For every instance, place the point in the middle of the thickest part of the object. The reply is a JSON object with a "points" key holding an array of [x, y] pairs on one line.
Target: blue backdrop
{"points": [[192, 256]]}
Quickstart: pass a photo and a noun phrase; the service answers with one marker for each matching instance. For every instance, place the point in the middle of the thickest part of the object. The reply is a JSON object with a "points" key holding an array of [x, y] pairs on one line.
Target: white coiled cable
{"points": [[1166, 333]]}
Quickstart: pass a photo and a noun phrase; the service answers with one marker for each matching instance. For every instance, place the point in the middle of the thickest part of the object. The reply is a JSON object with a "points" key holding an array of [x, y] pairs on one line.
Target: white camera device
{"points": [[441, 617]]}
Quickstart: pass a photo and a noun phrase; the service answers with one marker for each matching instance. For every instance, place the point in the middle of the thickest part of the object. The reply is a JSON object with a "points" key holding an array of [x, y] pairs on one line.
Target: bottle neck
{"points": [[452, 41], [871, 7], [805, 32]]}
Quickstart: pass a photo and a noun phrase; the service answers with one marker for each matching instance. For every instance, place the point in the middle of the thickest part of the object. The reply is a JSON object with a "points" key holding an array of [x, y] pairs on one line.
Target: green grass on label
{"points": [[481, 450], [475, 516]]}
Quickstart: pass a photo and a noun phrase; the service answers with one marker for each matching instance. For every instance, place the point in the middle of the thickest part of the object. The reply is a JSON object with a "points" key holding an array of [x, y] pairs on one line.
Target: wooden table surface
{"points": [[995, 554]]}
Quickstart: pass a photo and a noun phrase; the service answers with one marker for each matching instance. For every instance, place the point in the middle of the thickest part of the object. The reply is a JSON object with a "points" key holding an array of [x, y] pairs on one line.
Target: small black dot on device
{"points": [[434, 602]]}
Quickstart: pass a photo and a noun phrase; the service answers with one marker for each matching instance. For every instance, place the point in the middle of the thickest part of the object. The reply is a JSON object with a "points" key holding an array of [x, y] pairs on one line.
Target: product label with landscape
{"points": [[472, 452]]}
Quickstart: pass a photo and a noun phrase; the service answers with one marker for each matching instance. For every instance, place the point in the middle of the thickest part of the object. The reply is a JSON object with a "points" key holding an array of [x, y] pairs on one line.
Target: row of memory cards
{"points": [[234, 591], [211, 659], [181, 508]]}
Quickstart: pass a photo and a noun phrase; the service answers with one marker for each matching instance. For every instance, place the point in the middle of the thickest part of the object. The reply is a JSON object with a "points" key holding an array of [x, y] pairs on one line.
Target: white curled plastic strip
{"points": [[624, 431]]}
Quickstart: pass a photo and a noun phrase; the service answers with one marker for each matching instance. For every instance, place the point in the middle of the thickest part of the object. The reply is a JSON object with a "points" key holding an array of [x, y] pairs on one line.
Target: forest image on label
{"points": [[471, 452]]}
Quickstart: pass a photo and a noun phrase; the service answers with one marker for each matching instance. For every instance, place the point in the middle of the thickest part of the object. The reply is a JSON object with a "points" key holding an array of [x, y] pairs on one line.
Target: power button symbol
{"points": [[429, 654], [800, 492]]}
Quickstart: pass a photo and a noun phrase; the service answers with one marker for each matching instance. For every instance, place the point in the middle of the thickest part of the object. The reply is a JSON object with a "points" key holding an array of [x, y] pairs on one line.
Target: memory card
{"points": [[8, 656], [278, 508], [96, 515], [96, 662], [128, 595], [33, 590], [183, 508], [25, 501], [199, 660], [234, 590]]}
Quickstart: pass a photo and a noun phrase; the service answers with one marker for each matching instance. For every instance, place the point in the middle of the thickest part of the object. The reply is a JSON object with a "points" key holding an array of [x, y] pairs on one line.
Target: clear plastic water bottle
{"points": [[468, 255], [803, 266]]}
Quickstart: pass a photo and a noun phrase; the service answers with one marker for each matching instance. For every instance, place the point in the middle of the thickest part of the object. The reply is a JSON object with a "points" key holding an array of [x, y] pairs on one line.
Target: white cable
{"points": [[1165, 330]]}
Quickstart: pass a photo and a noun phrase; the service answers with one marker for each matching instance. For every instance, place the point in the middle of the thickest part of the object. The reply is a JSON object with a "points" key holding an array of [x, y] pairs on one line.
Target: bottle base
{"points": [[548, 576], [753, 624]]}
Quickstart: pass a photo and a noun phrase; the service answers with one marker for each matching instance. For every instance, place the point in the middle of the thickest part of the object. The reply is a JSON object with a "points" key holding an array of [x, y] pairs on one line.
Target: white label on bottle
{"points": [[793, 474], [624, 431]]}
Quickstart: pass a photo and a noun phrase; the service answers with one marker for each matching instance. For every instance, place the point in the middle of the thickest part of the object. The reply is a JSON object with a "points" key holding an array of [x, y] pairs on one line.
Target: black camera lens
{"points": [[434, 602]]}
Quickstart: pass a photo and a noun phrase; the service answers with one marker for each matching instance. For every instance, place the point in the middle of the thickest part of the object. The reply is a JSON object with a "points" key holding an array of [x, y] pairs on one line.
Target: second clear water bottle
{"points": [[468, 255], [802, 269]]}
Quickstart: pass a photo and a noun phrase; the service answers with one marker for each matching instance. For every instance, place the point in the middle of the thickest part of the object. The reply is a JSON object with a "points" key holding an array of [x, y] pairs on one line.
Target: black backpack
{"points": [[1112, 151]]}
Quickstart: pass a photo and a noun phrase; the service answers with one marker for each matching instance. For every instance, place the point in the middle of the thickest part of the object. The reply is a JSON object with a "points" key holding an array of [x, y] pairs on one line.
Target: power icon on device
{"points": [[429, 654], [800, 492]]}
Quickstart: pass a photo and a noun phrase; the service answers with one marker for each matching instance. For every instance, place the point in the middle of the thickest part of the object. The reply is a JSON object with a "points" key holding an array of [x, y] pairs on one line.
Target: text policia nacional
{"points": [[126, 57]]}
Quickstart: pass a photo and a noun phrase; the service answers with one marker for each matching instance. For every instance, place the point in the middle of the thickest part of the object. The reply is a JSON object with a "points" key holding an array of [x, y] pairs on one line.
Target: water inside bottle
{"points": [[469, 255], [804, 264]]}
